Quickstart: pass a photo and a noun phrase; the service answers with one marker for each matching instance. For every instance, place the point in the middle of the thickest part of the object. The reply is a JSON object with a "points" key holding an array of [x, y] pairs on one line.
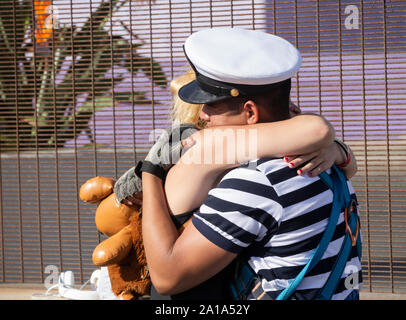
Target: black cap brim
{"points": [[192, 93]]}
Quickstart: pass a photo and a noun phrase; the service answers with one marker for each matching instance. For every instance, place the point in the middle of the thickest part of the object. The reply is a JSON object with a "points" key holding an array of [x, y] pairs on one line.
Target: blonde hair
{"points": [[183, 112]]}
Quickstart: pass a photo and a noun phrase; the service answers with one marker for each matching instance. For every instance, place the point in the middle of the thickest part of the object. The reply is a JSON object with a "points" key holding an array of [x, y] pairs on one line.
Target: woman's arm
{"points": [[351, 169], [221, 148]]}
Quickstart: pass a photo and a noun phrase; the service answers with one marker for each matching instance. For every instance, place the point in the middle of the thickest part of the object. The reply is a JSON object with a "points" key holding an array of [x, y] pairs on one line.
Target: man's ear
{"points": [[251, 111]]}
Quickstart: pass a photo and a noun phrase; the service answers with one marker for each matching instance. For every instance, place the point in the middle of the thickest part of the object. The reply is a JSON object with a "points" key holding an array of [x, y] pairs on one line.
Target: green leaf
{"points": [[12, 28], [36, 75], [107, 100], [132, 98], [150, 68], [96, 104]]}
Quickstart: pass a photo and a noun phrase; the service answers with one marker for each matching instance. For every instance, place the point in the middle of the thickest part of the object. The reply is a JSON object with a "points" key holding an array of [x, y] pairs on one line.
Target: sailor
{"points": [[263, 211]]}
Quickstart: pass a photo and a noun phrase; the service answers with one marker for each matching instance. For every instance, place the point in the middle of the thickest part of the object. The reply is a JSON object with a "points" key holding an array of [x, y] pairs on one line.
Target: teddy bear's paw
{"points": [[126, 295], [113, 249]]}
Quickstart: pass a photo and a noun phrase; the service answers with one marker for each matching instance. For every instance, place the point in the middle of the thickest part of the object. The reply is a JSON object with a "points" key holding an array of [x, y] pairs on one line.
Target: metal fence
{"points": [[83, 83]]}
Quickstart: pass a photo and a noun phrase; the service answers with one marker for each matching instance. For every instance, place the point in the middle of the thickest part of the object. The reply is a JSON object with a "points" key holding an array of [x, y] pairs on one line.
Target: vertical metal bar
{"points": [[20, 226], [36, 150], [231, 14], [387, 148], [297, 46], [190, 16], [253, 14], [171, 37], [93, 89], [340, 57], [3, 273], [132, 83], [132, 80], [365, 138], [211, 13], [318, 53], [58, 200], [274, 16], [93, 97], [150, 54], [75, 143], [95, 167], [112, 88]]}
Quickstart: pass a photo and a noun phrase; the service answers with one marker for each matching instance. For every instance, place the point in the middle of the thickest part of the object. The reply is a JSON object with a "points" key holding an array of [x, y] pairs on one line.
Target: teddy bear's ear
{"points": [[96, 189]]}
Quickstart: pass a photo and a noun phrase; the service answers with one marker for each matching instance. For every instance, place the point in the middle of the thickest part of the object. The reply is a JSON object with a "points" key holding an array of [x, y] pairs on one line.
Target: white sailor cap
{"points": [[231, 62]]}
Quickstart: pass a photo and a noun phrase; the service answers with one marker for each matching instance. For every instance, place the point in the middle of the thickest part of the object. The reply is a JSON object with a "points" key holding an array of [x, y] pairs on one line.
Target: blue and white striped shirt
{"points": [[267, 212]]}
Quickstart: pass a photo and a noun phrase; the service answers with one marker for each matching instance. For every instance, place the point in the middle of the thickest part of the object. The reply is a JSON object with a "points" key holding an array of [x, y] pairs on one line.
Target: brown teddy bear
{"points": [[123, 252]]}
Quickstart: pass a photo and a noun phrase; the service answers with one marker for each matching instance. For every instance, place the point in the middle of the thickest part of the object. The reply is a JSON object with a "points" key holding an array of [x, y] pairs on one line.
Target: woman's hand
{"points": [[136, 198], [316, 162]]}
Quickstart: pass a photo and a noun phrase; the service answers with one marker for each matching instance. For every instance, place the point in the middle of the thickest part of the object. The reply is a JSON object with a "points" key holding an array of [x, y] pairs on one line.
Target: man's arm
{"points": [[176, 262]]}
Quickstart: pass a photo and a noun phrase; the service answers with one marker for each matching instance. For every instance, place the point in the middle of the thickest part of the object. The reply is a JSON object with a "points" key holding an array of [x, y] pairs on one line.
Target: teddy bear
{"points": [[123, 251]]}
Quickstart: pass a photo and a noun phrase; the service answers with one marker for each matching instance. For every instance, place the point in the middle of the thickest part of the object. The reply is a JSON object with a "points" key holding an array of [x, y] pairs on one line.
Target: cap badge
{"points": [[234, 92]]}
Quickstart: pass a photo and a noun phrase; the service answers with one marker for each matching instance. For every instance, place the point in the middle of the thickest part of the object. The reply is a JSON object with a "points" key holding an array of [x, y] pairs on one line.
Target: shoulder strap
{"points": [[335, 184], [332, 282]]}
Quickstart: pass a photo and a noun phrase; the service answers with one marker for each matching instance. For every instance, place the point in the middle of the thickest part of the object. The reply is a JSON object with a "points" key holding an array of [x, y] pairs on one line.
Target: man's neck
{"points": [[272, 119], [266, 116]]}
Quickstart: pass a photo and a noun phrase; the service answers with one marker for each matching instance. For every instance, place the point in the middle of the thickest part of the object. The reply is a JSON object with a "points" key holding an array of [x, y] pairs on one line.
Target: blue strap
{"points": [[331, 285], [242, 283], [332, 282], [335, 185], [327, 180], [347, 200]]}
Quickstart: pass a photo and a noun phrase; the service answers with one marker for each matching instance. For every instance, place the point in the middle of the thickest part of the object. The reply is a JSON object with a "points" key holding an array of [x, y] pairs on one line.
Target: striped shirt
{"points": [[276, 218]]}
